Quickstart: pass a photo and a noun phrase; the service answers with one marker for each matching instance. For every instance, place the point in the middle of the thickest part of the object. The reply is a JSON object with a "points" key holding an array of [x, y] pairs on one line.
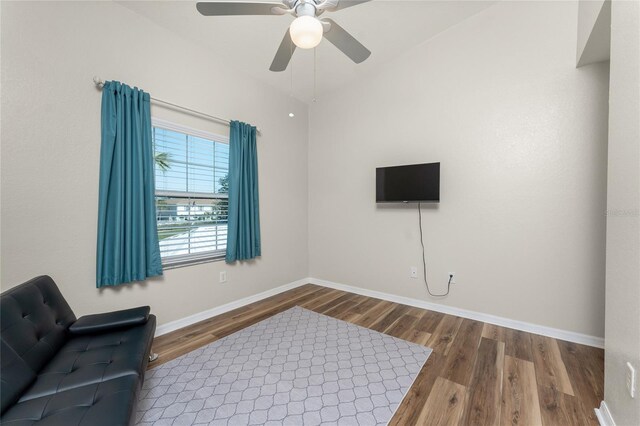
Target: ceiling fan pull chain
{"points": [[315, 67], [291, 75], [291, 113]]}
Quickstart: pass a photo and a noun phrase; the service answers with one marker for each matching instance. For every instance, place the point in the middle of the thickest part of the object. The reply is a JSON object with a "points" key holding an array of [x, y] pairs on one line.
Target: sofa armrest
{"points": [[98, 323]]}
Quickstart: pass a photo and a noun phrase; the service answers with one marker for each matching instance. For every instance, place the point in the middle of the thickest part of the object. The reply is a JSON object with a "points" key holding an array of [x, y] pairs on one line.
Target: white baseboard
{"points": [[570, 336], [218, 310], [604, 415], [478, 316]]}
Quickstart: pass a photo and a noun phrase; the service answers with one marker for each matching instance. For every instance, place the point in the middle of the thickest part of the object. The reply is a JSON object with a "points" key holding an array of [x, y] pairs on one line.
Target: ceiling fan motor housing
{"points": [[310, 7], [305, 8]]}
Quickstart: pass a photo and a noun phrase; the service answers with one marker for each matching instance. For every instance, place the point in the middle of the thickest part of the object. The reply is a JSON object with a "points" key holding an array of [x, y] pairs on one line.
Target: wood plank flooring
{"points": [[478, 374]]}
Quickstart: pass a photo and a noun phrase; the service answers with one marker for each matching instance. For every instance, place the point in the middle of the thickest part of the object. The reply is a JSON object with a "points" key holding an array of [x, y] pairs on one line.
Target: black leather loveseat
{"points": [[57, 370]]}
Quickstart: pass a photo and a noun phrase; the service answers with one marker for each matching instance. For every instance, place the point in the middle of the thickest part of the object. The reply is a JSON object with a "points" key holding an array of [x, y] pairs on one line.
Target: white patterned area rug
{"points": [[295, 368]]}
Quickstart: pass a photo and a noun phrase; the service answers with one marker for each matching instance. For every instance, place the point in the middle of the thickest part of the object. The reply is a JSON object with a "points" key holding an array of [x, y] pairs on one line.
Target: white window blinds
{"points": [[192, 182]]}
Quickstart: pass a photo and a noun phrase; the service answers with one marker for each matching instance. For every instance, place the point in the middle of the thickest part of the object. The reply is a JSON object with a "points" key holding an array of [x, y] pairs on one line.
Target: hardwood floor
{"points": [[478, 374]]}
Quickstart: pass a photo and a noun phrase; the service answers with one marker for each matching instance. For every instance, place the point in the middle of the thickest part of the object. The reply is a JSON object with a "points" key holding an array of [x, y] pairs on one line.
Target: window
{"points": [[192, 182]]}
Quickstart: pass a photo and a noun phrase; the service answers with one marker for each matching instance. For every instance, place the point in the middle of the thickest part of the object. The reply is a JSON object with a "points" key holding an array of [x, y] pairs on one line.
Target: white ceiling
{"points": [[388, 28]]}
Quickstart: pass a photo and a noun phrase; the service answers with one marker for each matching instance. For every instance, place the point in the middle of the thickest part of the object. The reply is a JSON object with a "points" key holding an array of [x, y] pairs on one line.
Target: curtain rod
{"points": [[100, 84]]}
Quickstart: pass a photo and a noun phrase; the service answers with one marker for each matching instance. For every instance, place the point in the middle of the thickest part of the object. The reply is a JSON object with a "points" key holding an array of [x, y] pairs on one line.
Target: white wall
{"points": [[522, 138], [594, 31], [622, 342], [51, 142], [520, 132]]}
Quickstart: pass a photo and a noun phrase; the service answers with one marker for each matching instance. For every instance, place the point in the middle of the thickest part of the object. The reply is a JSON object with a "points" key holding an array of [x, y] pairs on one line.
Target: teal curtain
{"points": [[128, 248], [243, 235]]}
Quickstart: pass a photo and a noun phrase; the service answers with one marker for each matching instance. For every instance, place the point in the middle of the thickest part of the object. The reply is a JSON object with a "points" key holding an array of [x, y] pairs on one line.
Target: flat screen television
{"points": [[406, 184]]}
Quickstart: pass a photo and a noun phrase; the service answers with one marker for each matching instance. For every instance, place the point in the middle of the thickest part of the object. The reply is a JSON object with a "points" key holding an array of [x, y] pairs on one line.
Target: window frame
{"points": [[183, 260]]}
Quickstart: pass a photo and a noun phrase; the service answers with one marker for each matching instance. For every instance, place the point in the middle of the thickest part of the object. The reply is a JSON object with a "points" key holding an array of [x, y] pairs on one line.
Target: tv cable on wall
{"points": [[424, 261]]}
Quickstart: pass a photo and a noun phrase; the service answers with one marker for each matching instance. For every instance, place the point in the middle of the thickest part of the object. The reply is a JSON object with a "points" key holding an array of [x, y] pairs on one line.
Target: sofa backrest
{"points": [[34, 318]]}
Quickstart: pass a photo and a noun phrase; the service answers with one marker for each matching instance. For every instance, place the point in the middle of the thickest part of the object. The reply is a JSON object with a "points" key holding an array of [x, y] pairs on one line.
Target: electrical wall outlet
{"points": [[223, 276], [453, 277], [413, 272], [631, 380]]}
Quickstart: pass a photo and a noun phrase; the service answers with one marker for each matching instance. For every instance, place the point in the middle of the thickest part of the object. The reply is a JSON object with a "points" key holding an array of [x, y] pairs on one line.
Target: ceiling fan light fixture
{"points": [[306, 32]]}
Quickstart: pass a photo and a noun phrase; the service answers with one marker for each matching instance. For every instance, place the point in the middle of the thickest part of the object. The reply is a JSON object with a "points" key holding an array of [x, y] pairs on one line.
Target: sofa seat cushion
{"points": [[15, 376], [91, 359], [109, 403]]}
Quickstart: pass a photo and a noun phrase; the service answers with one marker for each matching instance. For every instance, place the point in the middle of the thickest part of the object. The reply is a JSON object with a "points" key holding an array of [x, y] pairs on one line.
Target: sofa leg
{"points": [[153, 356]]}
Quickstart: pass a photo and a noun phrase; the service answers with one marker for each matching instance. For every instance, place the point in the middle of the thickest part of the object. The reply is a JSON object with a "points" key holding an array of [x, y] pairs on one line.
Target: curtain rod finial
{"points": [[98, 82]]}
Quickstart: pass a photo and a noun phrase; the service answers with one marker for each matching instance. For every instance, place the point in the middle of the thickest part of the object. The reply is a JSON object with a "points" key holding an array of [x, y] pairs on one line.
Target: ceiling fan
{"points": [[305, 32]]}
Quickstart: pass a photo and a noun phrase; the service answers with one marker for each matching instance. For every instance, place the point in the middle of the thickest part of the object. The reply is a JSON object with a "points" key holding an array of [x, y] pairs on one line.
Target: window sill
{"points": [[168, 264]]}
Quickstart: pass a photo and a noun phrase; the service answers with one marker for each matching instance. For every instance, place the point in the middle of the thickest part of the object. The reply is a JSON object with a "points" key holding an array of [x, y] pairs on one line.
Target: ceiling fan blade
{"points": [[343, 4], [236, 8], [284, 54], [344, 41]]}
